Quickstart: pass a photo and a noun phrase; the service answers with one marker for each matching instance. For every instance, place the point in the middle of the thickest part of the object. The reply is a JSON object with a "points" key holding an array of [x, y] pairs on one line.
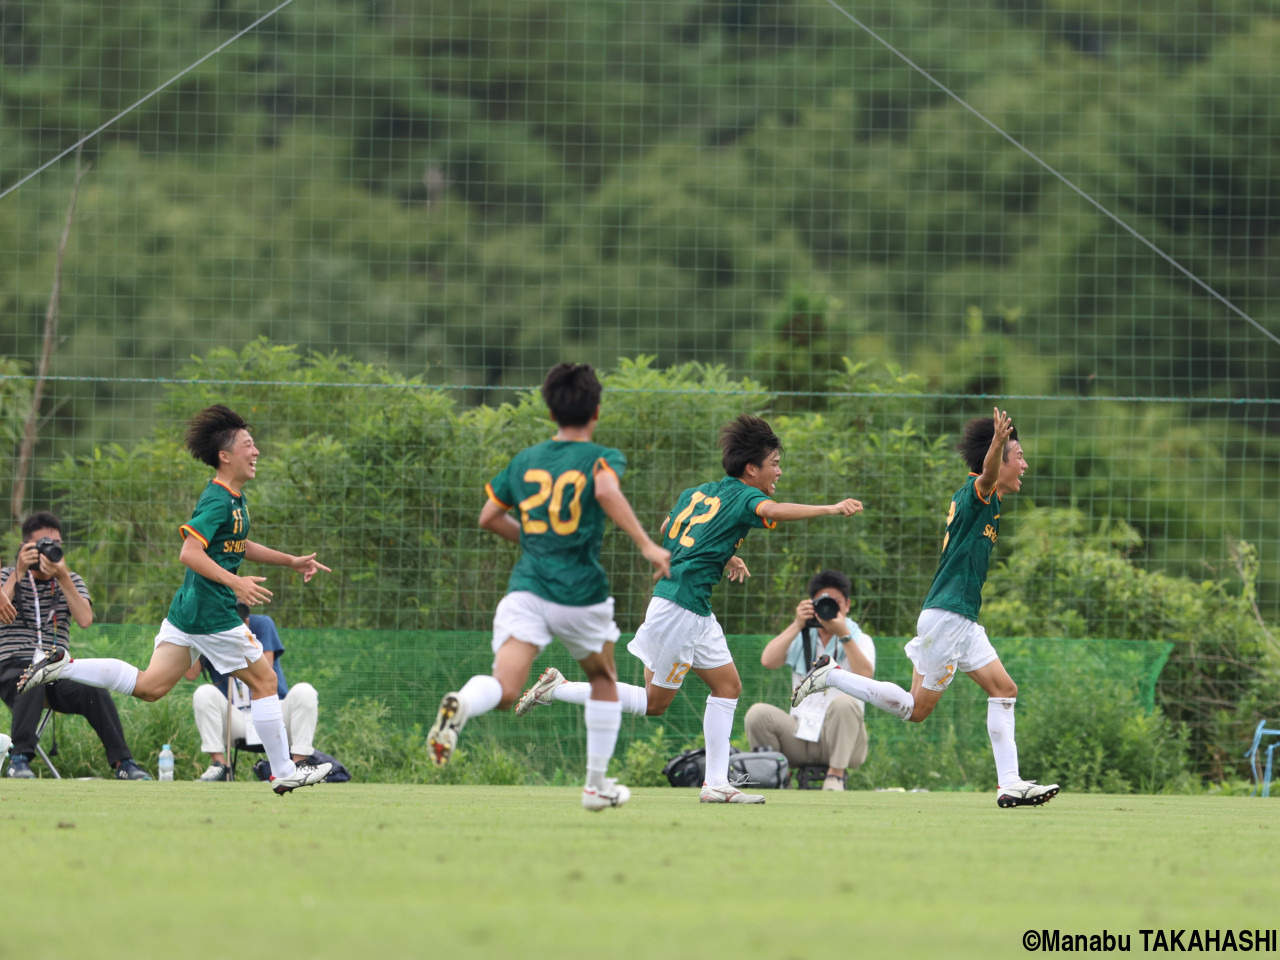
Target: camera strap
{"points": [[808, 647], [39, 653]]}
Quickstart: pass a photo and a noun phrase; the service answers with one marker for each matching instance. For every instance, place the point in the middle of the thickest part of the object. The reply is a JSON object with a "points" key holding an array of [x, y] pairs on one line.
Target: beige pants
{"points": [[300, 708], [842, 744]]}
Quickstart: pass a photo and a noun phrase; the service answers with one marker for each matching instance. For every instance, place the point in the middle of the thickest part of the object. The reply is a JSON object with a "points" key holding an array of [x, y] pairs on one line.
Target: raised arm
{"points": [[804, 511], [618, 509], [986, 482]]}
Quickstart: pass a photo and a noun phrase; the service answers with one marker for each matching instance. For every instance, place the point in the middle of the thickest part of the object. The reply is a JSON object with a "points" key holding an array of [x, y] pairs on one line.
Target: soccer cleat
{"points": [[304, 775], [442, 738], [612, 794], [46, 671], [129, 770], [815, 681], [1026, 793], [540, 693], [727, 793], [216, 773]]}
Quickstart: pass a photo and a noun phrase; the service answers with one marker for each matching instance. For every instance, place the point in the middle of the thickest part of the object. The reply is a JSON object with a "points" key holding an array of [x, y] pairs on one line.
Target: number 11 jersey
{"points": [[553, 486], [707, 525]]}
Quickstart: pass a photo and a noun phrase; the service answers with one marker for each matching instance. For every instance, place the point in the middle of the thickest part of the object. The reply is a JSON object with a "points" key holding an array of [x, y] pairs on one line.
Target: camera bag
{"points": [[764, 769]]}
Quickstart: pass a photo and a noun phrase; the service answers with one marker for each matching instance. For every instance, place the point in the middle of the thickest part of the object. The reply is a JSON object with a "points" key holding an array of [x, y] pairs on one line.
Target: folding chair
{"points": [[1252, 756], [47, 720]]}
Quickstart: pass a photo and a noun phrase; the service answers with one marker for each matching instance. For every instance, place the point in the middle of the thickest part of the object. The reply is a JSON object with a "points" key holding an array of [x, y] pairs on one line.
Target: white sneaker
{"points": [[815, 681], [1026, 793], [727, 793], [46, 671], [5, 742], [832, 782], [442, 738], [304, 775], [540, 693], [612, 794], [216, 773]]}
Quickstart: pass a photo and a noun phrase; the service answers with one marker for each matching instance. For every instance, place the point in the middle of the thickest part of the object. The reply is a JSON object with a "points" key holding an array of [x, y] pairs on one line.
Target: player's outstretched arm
{"points": [[495, 519], [805, 511], [986, 483], [307, 564], [618, 509], [247, 589]]}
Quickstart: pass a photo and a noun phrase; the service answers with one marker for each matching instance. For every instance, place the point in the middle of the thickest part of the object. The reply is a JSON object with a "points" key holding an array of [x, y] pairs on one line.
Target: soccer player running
{"points": [[680, 633], [564, 488], [202, 617], [948, 635]]}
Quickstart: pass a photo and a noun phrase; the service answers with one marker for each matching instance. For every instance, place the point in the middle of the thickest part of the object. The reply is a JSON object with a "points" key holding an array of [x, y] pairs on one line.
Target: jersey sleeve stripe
{"points": [[188, 530], [978, 493], [768, 524], [488, 489], [603, 464]]}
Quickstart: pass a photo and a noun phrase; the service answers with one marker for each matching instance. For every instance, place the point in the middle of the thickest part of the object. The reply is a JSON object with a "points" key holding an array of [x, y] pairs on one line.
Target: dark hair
{"points": [[211, 431], [975, 441], [830, 578], [572, 392], [40, 521], [746, 440]]}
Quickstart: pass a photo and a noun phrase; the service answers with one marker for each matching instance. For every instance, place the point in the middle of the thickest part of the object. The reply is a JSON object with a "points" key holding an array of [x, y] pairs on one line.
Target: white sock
{"points": [[1000, 730], [633, 698], [269, 722], [604, 719], [479, 695], [887, 696], [104, 673], [717, 728]]}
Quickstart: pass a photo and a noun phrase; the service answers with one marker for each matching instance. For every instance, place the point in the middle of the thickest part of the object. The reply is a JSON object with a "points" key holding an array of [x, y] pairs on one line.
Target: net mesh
{"points": [[372, 226]]}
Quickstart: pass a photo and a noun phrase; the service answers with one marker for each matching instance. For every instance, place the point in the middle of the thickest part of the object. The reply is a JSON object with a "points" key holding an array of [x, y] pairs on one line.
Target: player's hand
{"points": [[736, 570], [308, 566], [661, 560], [250, 590], [846, 508], [1003, 424], [7, 612]]}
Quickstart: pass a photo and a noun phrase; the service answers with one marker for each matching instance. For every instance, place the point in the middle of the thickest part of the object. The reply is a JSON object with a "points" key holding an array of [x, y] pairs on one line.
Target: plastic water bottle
{"points": [[166, 763]]}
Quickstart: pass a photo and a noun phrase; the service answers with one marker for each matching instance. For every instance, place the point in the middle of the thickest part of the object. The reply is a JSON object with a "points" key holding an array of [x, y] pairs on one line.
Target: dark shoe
{"points": [[128, 770], [262, 769], [216, 773], [20, 767]]}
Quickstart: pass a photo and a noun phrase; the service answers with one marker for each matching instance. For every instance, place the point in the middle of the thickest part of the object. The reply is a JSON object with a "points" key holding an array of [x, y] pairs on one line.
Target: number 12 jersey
{"points": [[705, 528]]}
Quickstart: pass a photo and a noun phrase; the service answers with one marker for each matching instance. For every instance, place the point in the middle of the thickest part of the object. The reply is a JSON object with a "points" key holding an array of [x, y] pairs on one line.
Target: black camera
{"points": [[48, 547], [826, 608]]}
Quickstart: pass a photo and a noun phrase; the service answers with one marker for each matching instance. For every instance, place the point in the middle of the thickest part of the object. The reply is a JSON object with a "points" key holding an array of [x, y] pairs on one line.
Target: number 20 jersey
{"points": [[706, 526], [553, 486]]}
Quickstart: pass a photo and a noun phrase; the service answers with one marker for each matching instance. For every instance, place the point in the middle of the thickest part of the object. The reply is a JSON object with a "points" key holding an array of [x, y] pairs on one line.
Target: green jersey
{"points": [[973, 525], [221, 524], [705, 527], [561, 525]]}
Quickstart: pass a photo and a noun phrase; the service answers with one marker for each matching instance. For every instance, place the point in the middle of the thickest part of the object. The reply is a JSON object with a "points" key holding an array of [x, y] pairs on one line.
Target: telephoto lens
{"points": [[826, 608]]}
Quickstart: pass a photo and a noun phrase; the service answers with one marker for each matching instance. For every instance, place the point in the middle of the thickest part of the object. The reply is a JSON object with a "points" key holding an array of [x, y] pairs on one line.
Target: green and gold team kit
{"points": [[704, 529], [221, 523], [973, 526], [553, 485]]}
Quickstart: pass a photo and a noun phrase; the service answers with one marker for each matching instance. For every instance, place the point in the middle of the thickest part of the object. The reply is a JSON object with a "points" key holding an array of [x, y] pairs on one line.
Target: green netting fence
{"points": [[1060, 682]]}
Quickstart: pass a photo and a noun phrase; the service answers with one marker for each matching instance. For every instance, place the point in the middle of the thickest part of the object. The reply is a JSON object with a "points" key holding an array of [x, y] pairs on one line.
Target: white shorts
{"points": [[672, 640], [228, 651], [946, 642], [528, 617]]}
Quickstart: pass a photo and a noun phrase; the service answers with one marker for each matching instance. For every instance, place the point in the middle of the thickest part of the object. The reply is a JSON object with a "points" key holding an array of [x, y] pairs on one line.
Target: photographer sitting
{"points": [[832, 731], [299, 705], [46, 596]]}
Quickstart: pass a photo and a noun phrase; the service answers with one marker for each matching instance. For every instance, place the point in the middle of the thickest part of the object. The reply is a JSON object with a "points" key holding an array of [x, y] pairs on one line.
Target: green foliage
{"points": [[643, 760]]}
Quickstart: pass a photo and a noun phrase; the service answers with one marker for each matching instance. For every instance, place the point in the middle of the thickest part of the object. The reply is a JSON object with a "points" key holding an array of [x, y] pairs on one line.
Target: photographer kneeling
{"points": [[47, 597], [832, 730]]}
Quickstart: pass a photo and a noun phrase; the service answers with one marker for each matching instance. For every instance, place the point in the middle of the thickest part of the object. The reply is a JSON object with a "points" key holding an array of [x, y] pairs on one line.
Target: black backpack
{"points": [[766, 769]]}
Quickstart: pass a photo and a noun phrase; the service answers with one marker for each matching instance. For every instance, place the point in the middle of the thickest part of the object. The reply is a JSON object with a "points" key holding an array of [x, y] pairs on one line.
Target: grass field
{"points": [[107, 869]]}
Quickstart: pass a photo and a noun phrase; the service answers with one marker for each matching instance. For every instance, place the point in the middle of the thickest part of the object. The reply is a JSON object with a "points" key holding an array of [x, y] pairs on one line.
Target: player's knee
{"points": [[728, 689]]}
